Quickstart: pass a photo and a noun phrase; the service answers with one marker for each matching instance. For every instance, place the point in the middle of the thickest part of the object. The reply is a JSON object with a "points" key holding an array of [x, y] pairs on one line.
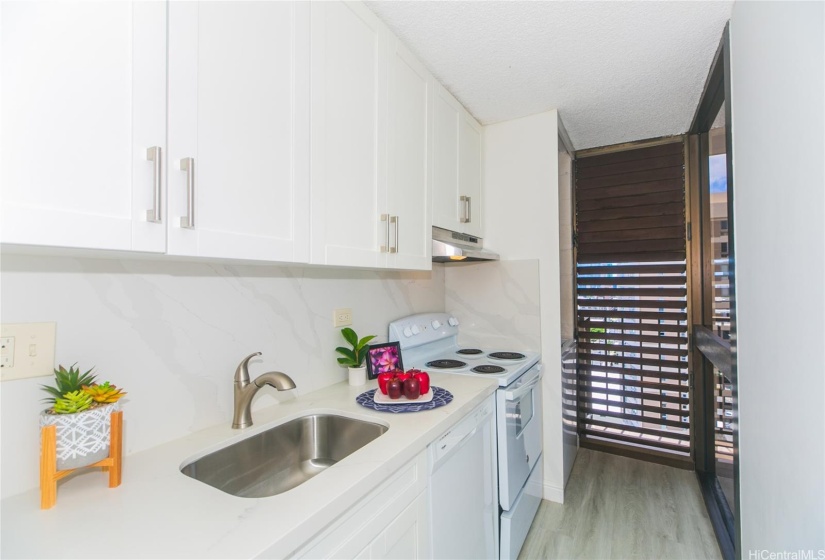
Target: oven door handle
{"points": [[521, 391]]}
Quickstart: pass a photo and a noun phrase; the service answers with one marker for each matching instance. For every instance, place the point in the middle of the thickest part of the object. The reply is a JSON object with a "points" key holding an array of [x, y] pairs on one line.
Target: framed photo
{"points": [[382, 358]]}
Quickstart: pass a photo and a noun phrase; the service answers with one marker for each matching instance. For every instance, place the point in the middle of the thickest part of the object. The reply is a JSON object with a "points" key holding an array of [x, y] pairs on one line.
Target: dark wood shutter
{"points": [[632, 302]]}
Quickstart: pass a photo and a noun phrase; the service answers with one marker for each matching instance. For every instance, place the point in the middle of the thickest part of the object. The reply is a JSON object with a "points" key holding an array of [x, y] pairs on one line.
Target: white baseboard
{"points": [[553, 493]]}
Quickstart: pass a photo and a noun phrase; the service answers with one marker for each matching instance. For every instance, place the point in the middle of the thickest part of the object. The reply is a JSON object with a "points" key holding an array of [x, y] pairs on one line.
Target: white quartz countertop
{"points": [[157, 512]]}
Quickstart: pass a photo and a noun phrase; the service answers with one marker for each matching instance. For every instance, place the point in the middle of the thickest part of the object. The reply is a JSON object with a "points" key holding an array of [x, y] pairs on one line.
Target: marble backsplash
{"points": [[497, 303], [172, 333]]}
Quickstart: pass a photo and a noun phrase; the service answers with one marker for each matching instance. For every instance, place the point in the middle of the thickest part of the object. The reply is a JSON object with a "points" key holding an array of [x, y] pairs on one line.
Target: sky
{"points": [[718, 173]]}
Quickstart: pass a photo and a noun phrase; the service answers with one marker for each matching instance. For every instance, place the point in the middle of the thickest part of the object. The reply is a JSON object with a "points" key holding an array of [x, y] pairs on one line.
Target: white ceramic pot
{"points": [[357, 376], [83, 437]]}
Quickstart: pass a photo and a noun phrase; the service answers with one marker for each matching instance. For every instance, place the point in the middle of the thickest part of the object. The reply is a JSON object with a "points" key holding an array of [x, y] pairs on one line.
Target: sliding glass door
{"points": [[713, 298]]}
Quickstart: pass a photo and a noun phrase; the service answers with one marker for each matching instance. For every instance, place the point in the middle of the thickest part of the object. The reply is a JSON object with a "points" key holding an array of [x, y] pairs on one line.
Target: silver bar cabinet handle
{"points": [[153, 215], [188, 165], [386, 247], [394, 220], [465, 210], [469, 209]]}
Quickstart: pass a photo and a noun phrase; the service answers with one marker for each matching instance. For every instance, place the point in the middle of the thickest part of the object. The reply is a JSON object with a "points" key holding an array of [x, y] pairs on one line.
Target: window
{"points": [[632, 303]]}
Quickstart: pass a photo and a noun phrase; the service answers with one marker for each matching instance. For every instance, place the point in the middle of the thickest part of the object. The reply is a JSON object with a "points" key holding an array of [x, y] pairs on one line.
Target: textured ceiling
{"points": [[616, 71]]}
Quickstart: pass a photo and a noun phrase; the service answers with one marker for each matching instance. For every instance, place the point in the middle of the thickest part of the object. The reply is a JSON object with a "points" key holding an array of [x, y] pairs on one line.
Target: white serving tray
{"points": [[381, 398]]}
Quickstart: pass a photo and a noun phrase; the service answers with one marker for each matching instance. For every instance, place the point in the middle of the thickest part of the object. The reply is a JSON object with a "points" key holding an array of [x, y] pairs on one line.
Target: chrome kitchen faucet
{"points": [[246, 389]]}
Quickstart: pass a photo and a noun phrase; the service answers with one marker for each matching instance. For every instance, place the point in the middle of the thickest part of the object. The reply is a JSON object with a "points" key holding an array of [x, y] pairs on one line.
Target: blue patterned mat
{"points": [[440, 398]]}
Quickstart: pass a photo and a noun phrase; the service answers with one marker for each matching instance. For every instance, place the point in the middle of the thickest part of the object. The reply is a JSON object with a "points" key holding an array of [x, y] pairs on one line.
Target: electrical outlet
{"points": [[342, 317], [27, 350], [7, 352]]}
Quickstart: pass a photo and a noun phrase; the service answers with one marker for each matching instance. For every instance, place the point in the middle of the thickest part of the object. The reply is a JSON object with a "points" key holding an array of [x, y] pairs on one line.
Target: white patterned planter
{"points": [[83, 437]]}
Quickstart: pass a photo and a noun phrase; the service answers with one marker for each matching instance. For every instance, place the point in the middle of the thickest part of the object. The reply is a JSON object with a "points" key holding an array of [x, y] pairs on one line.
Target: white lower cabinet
{"points": [[391, 522], [405, 537]]}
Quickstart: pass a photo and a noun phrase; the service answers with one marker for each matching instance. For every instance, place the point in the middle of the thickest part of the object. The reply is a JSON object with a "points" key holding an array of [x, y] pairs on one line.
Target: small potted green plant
{"points": [[81, 412], [354, 357]]}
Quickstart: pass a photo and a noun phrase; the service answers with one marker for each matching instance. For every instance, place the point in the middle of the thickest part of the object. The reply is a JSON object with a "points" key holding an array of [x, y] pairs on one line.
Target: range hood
{"points": [[451, 246]]}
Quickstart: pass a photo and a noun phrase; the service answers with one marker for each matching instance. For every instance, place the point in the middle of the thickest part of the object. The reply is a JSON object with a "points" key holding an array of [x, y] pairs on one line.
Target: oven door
{"points": [[518, 410]]}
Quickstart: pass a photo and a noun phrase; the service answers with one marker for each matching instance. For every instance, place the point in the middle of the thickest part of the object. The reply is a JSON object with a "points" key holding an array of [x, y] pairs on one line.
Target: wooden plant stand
{"points": [[49, 475]]}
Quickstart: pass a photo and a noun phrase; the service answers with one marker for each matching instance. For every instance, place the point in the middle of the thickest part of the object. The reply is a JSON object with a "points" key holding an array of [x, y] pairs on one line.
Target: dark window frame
{"points": [[726, 523]]}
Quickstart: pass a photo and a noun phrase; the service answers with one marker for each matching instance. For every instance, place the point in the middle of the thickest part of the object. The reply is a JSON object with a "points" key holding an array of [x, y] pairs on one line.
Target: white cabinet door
{"points": [[406, 537], [469, 176], [83, 99], [391, 521], [239, 119], [348, 135], [457, 190], [446, 119], [408, 187]]}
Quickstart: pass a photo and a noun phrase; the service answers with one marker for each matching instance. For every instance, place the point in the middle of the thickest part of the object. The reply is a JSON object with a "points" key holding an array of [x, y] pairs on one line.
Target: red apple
{"points": [[423, 381], [412, 390], [383, 379], [402, 377], [394, 388]]}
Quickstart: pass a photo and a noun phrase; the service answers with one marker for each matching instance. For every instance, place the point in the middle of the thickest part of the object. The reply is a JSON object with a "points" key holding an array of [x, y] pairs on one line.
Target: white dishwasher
{"points": [[463, 488]]}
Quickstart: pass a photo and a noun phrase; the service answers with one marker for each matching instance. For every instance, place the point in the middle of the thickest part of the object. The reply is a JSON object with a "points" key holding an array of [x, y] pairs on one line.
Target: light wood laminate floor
{"points": [[618, 508]]}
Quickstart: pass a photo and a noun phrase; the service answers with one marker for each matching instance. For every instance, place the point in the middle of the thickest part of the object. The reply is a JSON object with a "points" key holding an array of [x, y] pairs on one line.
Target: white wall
{"points": [[567, 279], [566, 264], [778, 123], [172, 334], [497, 303], [521, 220]]}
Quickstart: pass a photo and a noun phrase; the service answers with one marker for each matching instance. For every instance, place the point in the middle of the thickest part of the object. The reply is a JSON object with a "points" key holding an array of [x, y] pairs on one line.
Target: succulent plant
{"points": [[105, 393], [353, 357], [68, 381], [76, 401], [75, 392]]}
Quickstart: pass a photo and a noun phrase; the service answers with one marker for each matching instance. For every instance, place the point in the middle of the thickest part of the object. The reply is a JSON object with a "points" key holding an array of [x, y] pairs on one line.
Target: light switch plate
{"points": [[28, 350], [342, 317]]}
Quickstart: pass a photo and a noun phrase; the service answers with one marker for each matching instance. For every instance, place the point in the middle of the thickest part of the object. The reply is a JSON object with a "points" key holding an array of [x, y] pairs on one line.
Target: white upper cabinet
{"points": [[410, 159], [348, 135], [446, 119], [83, 102], [261, 131], [238, 172], [370, 145], [457, 190], [469, 175]]}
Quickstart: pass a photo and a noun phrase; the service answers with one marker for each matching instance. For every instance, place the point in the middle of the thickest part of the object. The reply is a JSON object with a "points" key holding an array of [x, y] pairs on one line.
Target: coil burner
{"points": [[446, 364], [506, 356], [488, 369]]}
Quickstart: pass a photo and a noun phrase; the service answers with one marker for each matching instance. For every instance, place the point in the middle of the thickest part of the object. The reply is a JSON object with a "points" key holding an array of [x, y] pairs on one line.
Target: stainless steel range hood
{"points": [[451, 246]]}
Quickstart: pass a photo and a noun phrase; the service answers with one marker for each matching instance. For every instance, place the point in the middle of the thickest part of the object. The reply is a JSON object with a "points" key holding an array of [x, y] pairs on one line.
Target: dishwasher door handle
{"points": [[446, 446], [457, 444]]}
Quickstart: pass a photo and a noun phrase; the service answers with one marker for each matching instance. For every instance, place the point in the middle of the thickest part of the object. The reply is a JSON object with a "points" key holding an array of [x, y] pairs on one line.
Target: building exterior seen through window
{"points": [[719, 226], [723, 433]]}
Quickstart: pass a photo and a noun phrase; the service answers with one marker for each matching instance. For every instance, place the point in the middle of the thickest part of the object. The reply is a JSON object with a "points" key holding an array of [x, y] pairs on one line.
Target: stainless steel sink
{"points": [[283, 457]]}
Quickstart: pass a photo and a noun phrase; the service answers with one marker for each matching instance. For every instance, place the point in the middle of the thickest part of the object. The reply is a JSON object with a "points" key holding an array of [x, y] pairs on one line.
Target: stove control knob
{"points": [[453, 322], [415, 329], [436, 323], [407, 331]]}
